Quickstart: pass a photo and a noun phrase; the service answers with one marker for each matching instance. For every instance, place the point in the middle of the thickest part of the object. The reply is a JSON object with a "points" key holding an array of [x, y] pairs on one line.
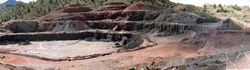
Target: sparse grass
{"points": [[236, 25], [158, 56], [217, 62], [247, 21], [247, 33]]}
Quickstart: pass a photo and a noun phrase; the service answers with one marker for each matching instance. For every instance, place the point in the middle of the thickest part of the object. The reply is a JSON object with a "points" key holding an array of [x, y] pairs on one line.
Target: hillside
{"points": [[10, 1], [42, 7], [5, 8], [123, 35], [238, 14]]}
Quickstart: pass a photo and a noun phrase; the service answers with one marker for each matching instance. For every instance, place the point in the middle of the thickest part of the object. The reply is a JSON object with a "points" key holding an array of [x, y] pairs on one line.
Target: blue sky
{"points": [[26, 1], [194, 2]]}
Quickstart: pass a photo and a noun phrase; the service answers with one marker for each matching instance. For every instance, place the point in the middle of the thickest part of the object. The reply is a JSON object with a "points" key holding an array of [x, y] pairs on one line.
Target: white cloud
{"points": [[226, 2], [2, 1], [26, 1]]}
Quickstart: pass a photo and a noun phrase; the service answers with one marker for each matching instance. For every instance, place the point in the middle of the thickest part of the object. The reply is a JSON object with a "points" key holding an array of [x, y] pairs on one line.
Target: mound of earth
{"points": [[113, 6], [137, 6]]}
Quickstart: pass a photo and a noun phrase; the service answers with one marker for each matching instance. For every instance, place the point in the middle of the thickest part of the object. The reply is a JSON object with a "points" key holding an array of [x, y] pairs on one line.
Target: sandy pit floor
{"points": [[60, 49]]}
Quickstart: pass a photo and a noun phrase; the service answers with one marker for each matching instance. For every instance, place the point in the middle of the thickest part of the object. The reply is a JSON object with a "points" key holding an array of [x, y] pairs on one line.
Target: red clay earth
{"points": [[167, 48], [77, 8], [137, 6], [113, 6]]}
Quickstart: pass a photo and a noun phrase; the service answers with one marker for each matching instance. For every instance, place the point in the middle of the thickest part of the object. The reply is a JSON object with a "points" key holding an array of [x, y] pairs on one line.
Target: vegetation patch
{"points": [[235, 25]]}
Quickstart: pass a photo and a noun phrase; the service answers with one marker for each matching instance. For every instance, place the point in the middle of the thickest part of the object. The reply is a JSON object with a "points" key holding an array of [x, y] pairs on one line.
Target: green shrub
{"points": [[219, 5], [218, 61], [214, 6]]}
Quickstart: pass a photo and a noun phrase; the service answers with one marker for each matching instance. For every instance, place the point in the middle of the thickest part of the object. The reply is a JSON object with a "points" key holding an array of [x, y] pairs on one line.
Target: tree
{"points": [[219, 5], [77, 2], [50, 1], [42, 1], [204, 6], [131, 2], [100, 2], [214, 5], [28, 10]]}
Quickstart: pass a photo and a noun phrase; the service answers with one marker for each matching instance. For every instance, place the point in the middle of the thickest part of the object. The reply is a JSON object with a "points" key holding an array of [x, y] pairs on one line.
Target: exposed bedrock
{"points": [[113, 6], [162, 20], [132, 41], [117, 16], [140, 26], [77, 8], [22, 26], [61, 36]]}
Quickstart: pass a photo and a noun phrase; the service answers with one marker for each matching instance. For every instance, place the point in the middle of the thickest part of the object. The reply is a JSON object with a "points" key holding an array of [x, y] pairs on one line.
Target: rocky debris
{"points": [[143, 69], [22, 26], [67, 26], [130, 45], [224, 24], [12, 67], [164, 68], [153, 63], [124, 40], [183, 40], [132, 68], [151, 15], [92, 39], [115, 28], [8, 31], [113, 6], [64, 27], [117, 44], [190, 34], [2, 57], [136, 15], [50, 69], [24, 43], [77, 8]]}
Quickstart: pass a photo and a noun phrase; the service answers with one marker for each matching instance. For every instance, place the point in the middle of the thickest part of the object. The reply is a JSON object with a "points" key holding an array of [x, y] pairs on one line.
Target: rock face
{"points": [[112, 15], [131, 43], [67, 26], [77, 8], [113, 6], [22, 26]]}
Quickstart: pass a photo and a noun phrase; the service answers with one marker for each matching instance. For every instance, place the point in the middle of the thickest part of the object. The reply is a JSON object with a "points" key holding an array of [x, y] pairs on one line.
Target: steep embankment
{"points": [[43, 7], [5, 8]]}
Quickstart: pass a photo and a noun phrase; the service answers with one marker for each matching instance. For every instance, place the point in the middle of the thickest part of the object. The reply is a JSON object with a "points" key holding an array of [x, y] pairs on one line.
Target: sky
{"points": [[223, 2], [194, 2], [26, 1]]}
